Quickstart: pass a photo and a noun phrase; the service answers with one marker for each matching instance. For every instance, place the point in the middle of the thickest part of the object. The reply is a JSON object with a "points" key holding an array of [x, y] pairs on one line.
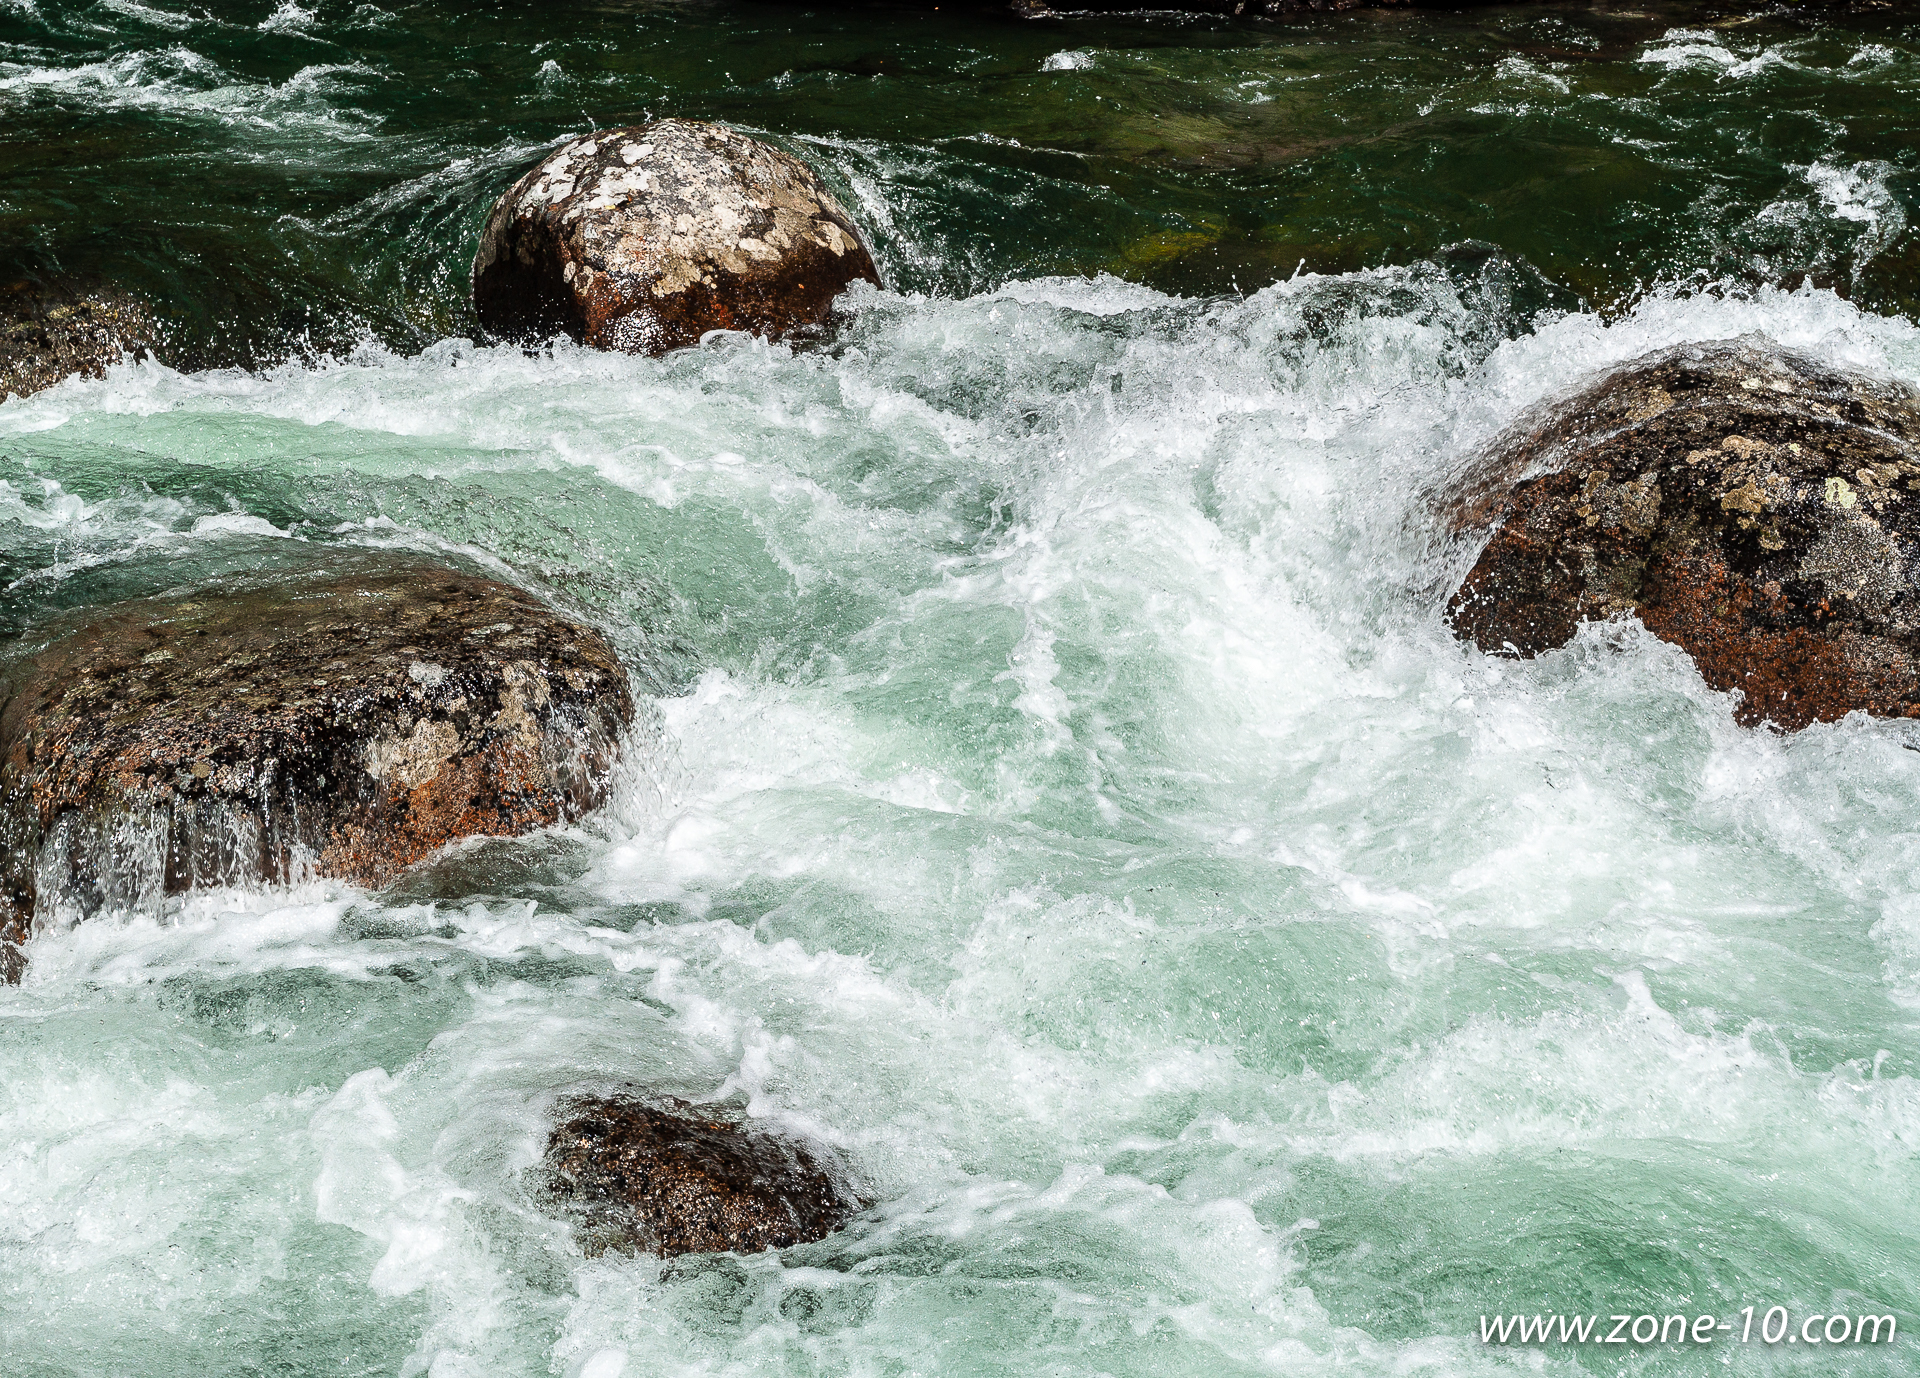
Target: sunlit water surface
{"points": [[1058, 791]]}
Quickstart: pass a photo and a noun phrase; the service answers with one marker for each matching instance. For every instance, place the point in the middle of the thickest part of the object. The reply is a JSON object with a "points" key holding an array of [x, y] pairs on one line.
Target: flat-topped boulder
{"points": [[645, 238], [346, 721], [1746, 502], [637, 1178]]}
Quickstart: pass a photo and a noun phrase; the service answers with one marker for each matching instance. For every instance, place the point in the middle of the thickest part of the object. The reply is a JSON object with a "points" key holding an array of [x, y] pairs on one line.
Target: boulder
{"points": [[1748, 503], [50, 331], [345, 722], [643, 239], [641, 1179]]}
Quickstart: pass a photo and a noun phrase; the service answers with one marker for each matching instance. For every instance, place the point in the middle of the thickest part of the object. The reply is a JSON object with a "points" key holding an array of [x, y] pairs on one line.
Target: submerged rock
{"points": [[342, 724], [1751, 505], [643, 239], [51, 332], [1041, 9], [643, 1180]]}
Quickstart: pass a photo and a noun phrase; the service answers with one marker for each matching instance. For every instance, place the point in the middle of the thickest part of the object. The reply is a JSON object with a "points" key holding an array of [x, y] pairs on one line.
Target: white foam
{"points": [[289, 17], [183, 82], [1683, 48], [149, 14], [1100, 876]]}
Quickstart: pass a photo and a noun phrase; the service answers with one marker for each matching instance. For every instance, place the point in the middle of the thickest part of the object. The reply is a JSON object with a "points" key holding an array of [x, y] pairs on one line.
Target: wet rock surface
{"points": [[642, 239], [50, 332], [344, 722], [642, 1179], [1750, 505]]}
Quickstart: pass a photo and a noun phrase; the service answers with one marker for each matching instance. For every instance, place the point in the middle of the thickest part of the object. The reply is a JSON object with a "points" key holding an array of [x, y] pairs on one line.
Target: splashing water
{"points": [[1060, 796]]}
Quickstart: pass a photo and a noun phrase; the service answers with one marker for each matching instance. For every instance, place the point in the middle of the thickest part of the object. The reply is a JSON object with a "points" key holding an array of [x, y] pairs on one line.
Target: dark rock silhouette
{"points": [[646, 1180], [1751, 505], [643, 239], [344, 723]]}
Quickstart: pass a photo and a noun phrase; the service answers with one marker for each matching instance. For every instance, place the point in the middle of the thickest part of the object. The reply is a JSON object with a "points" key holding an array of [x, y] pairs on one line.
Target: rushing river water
{"points": [[1059, 792]]}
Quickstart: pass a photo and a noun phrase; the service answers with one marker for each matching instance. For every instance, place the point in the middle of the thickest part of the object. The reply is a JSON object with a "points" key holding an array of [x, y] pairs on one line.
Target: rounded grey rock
{"points": [[643, 239]]}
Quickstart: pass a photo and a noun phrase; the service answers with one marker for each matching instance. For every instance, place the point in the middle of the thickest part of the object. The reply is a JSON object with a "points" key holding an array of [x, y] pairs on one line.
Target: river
{"points": [[1058, 791]]}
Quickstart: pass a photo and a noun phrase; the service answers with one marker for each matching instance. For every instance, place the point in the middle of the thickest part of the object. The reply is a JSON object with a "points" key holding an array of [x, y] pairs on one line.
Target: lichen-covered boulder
{"points": [[345, 722], [1748, 503], [643, 239], [641, 1179], [49, 332]]}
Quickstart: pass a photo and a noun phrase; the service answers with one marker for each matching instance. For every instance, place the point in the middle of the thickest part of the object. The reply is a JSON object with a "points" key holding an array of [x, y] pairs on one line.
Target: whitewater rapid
{"points": [[1061, 796]]}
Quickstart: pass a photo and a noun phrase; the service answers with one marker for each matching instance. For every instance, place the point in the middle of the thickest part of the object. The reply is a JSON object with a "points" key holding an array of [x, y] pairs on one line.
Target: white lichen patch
{"points": [[1858, 560], [526, 690], [631, 218], [413, 760]]}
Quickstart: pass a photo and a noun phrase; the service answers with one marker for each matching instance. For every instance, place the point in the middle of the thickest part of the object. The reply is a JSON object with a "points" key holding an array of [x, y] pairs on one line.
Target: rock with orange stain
{"points": [[1753, 506], [348, 722], [643, 239]]}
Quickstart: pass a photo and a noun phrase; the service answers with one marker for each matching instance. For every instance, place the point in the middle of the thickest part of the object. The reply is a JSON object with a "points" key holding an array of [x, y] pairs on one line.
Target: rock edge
{"points": [[1748, 503], [343, 723]]}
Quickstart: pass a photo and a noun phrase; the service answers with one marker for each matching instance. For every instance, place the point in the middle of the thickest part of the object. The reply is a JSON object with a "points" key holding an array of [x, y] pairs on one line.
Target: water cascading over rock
{"points": [[345, 722], [643, 239], [641, 1179], [1749, 504]]}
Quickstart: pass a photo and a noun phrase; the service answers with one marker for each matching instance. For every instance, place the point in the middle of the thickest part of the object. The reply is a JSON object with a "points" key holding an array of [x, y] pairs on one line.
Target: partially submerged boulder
{"points": [[52, 331], [1749, 504], [641, 1179], [643, 239], [1041, 9], [346, 723]]}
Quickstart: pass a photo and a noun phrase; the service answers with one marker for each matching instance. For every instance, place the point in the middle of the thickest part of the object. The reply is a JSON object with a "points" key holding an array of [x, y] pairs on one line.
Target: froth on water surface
{"points": [[1058, 797], [1062, 800]]}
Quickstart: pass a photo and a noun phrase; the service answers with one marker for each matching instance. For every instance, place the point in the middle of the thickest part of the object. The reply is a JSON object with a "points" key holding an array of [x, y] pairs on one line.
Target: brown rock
{"points": [[643, 239], [346, 723], [640, 1179], [48, 332], [1750, 504]]}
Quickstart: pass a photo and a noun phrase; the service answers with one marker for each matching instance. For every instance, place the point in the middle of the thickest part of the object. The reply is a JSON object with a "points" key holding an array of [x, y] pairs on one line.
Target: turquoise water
{"points": [[1058, 791]]}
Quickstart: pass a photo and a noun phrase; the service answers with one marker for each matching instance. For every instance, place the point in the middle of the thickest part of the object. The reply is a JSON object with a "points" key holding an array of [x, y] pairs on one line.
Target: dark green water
{"points": [[325, 171], [1059, 792]]}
